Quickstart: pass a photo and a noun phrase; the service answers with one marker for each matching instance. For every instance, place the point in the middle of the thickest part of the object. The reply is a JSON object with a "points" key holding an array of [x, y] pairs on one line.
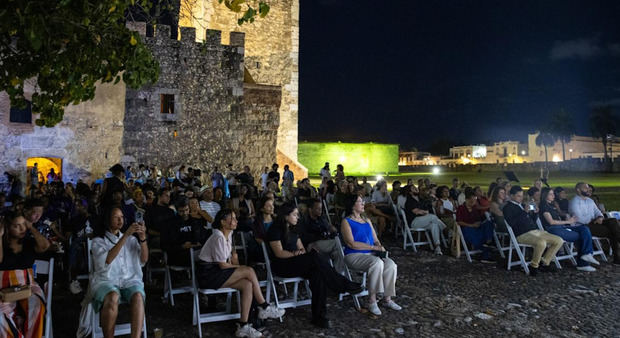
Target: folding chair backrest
{"points": [[539, 224], [89, 247], [193, 268], [326, 210], [511, 233], [614, 214], [267, 262], [487, 215]]}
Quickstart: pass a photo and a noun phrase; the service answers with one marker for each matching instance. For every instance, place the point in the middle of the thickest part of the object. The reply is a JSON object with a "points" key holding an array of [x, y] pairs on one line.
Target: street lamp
{"points": [[610, 140], [571, 153]]}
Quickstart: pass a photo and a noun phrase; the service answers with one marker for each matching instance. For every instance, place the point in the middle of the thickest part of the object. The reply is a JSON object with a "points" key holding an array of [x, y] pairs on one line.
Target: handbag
{"points": [[15, 293]]}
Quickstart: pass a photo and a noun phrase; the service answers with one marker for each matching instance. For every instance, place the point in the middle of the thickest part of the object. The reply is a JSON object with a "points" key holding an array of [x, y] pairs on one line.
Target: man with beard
{"points": [[587, 213]]}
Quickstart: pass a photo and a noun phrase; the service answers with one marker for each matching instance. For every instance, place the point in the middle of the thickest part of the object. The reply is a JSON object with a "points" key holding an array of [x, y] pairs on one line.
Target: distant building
{"points": [[417, 158], [577, 147]]}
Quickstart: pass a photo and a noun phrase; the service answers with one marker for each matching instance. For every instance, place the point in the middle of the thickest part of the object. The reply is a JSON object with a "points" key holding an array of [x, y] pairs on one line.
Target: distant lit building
{"points": [[416, 158], [577, 147]]}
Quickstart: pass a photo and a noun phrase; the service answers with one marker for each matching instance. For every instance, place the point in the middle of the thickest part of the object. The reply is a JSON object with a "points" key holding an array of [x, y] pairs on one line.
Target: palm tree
{"points": [[602, 124], [545, 139], [562, 128]]}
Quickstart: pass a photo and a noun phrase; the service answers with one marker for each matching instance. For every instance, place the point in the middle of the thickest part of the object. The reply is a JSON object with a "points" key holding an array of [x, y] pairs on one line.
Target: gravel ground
{"points": [[441, 297]]}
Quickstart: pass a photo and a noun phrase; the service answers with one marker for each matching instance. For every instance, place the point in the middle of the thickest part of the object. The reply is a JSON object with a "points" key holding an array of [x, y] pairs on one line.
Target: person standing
{"points": [[34, 178]]}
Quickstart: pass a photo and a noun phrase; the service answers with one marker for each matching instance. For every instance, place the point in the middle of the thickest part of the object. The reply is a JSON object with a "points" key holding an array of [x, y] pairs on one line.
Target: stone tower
{"points": [[271, 54]]}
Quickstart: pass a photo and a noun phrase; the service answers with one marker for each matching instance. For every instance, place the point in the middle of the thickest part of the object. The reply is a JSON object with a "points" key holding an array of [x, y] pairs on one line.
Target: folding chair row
{"points": [[348, 275], [520, 248]]}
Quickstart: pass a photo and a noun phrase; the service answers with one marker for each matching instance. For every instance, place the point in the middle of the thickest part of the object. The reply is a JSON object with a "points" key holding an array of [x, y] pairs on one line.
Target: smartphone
{"points": [[139, 217], [532, 207]]}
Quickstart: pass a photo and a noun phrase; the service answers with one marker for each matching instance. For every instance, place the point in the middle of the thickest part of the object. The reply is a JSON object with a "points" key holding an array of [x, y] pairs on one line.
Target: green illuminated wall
{"points": [[357, 158]]}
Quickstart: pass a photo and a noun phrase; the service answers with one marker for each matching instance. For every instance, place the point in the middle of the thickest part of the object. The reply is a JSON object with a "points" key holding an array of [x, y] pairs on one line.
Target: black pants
{"points": [[316, 268], [610, 228]]}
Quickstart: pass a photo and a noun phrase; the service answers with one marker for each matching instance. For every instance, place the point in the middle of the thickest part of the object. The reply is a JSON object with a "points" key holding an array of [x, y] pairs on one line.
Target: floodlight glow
{"points": [[379, 178], [436, 170], [522, 152], [556, 158]]}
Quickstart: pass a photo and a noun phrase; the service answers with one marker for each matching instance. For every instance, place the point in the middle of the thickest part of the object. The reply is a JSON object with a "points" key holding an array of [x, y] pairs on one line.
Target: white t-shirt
{"points": [[217, 249]]}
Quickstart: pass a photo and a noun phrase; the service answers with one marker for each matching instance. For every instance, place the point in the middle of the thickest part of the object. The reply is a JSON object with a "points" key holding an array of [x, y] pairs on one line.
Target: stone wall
{"points": [[271, 53], [212, 123], [87, 140]]}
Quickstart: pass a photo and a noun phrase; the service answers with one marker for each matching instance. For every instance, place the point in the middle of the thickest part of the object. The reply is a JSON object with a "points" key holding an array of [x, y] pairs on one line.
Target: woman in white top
{"points": [[444, 207], [118, 259], [220, 268]]}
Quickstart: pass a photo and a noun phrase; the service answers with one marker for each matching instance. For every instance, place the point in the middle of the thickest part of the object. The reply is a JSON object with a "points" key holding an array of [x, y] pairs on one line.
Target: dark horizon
{"points": [[417, 73]]}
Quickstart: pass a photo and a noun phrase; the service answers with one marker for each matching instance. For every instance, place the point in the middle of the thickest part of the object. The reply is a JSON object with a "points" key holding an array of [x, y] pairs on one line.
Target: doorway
{"points": [[45, 164]]}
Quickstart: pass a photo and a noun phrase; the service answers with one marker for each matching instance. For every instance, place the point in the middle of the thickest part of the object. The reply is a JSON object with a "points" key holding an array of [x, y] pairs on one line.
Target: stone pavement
{"points": [[441, 297]]}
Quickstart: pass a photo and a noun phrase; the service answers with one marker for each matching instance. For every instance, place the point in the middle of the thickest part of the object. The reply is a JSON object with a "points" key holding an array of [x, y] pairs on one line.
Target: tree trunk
{"points": [[605, 156], [546, 161], [563, 151]]}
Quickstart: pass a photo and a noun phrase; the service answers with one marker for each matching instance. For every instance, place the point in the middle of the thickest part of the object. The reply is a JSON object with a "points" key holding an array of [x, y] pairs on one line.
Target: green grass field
{"points": [[607, 185]]}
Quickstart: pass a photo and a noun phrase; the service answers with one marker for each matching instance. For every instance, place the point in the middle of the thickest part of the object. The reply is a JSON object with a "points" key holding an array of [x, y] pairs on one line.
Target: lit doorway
{"points": [[45, 164]]}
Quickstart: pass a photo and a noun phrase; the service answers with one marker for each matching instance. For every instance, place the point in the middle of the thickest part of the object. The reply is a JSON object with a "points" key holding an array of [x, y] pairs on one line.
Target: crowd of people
{"points": [[313, 233]]}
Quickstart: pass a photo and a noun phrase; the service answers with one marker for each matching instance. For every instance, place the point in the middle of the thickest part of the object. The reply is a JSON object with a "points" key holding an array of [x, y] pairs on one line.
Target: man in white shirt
{"points": [[207, 204], [587, 213]]}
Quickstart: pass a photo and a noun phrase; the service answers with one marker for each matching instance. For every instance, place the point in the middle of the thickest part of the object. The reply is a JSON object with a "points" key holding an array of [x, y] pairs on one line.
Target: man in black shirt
{"points": [[316, 233], [274, 175], [527, 232], [180, 235], [158, 217]]}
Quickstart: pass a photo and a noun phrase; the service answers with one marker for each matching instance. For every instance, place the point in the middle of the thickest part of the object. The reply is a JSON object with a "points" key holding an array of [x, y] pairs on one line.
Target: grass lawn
{"points": [[607, 185]]}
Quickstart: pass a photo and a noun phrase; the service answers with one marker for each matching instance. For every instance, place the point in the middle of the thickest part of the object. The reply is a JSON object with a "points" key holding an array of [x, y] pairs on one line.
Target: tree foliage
{"points": [[562, 128], [66, 46], [603, 123], [545, 139]]}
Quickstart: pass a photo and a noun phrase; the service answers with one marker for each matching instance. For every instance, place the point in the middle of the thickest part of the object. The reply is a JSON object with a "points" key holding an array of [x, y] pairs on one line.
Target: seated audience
{"points": [[527, 232], [158, 217], [219, 268], [18, 244], [207, 204], [317, 234], [199, 219], [475, 231], [444, 206], [364, 252], [578, 234], [420, 216], [587, 213], [290, 259], [118, 259], [561, 201]]}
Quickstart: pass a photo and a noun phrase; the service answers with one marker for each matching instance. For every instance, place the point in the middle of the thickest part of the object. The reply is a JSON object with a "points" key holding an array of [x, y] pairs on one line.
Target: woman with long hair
{"points": [[220, 268], [290, 259], [17, 251]]}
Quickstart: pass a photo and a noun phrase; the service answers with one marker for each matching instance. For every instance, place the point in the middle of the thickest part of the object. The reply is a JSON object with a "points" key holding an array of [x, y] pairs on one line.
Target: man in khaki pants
{"points": [[528, 233]]}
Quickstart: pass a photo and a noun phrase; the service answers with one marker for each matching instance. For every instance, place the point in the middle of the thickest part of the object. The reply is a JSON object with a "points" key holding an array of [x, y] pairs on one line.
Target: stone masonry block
{"points": [[237, 39], [214, 37], [188, 34], [163, 32]]}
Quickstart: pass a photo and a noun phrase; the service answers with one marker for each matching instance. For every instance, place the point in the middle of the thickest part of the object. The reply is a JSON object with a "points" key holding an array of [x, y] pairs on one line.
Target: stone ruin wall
{"points": [[217, 121], [271, 53], [87, 140]]}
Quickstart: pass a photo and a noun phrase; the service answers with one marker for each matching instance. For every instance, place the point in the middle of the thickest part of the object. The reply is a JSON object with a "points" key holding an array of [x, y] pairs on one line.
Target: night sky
{"points": [[415, 72]]}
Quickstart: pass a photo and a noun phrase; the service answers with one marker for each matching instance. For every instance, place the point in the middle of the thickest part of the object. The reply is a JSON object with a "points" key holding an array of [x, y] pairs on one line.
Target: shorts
{"points": [[124, 293]]}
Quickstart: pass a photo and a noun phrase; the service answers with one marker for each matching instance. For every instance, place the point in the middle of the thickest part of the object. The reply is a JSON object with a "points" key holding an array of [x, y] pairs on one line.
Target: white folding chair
{"points": [[348, 274], [150, 269], [272, 280], [567, 248], [119, 329], [399, 226], [599, 248], [614, 214], [47, 268], [169, 289], [468, 252], [408, 239], [519, 248], [199, 318]]}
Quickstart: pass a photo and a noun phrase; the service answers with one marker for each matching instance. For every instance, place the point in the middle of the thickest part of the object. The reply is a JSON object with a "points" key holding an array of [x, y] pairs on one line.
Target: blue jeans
{"points": [[580, 235], [478, 236]]}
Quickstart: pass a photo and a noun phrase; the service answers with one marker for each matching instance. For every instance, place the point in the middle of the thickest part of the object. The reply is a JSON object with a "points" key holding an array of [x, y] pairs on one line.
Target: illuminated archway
{"points": [[44, 165]]}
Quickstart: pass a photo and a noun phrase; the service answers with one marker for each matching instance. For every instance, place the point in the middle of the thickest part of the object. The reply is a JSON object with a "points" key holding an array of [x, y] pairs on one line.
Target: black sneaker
{"points": [[354, 288], [323, 323], [533, 271], [548, 268]]}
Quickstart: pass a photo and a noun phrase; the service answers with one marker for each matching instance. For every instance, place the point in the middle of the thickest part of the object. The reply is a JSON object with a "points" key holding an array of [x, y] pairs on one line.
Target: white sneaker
{"points": [[590, 259], [75, 287], [586, 268], [270, 311], [247, 331], [374, 309], [438, 250], [392, 305]]}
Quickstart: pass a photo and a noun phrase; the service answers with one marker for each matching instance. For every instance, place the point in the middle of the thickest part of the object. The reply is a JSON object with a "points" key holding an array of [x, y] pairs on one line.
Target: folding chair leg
{"points": [[523, 262], [498, 245]]}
